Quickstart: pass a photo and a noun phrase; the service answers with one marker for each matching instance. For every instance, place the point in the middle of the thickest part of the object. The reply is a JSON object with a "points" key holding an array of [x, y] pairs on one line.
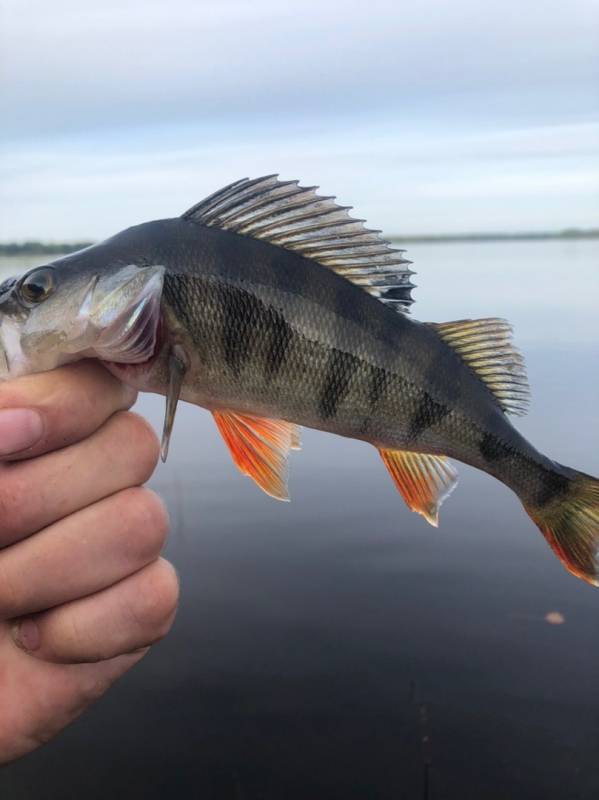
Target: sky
{"points": [[427, 117]]}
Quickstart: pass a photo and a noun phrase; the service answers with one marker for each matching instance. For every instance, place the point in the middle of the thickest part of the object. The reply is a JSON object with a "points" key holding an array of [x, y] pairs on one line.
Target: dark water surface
{"points": [[339, 647]]}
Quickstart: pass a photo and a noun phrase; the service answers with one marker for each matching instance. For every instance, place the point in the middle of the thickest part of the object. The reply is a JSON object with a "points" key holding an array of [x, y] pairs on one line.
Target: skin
{"points": [[84, 592]]}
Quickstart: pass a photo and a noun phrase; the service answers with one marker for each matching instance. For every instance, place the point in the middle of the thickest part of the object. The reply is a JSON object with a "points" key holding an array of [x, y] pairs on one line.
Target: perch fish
{"points": [[270, 306]]}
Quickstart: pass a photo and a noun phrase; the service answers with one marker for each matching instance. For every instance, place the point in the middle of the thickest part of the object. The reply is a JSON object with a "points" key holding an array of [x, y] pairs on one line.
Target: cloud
{"points": [[71, 66], [415, 182], [430, 117]]}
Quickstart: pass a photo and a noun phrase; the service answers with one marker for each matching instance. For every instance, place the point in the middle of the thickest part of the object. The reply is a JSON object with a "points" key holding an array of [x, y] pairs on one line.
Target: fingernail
{"points": [[20, 428], [26, 635]]}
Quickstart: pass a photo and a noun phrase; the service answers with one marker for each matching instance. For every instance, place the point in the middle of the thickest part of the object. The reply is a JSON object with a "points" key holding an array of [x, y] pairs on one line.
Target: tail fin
{"points": [[570, 523]]}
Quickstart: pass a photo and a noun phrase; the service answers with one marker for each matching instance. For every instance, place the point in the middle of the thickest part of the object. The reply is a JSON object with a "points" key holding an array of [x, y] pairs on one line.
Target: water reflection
{"points": [[338, 646]]}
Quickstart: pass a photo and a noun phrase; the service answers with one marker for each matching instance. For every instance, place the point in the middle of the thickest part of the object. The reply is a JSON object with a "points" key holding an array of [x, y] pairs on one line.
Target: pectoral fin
{"points": [[177, 367], [260, 448], [424, 481]]}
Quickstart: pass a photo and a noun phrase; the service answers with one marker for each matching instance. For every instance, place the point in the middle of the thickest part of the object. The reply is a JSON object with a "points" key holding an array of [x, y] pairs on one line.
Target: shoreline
{"points": [[62, 248]]}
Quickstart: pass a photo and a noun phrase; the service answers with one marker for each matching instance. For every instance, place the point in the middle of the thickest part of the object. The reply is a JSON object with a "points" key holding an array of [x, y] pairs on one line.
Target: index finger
{"points": [[72, 402]]}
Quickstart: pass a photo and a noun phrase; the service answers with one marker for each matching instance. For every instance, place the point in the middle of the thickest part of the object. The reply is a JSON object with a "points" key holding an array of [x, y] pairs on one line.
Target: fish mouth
{"points": [[13, 362]]}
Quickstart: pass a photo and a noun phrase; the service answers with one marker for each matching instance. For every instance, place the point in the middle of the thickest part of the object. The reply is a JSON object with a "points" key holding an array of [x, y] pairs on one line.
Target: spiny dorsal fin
{"points": [[424, 481], [260, 447], [296, 218], [486, 346]]}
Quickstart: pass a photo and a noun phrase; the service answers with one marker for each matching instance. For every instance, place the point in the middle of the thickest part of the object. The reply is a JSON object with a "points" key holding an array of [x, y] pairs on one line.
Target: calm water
{"points": [[337, 646]]}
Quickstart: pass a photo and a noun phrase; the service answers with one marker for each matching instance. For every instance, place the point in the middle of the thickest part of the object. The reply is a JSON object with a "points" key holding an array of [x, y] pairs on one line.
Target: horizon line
{"points": [[34, 246]]}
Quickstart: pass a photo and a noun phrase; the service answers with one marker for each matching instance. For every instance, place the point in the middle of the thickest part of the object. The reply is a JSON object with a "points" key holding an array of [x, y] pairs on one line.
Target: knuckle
{"points": [[69, 640], [12, 597], [142, 443], [146, 521], [70, 394], [92, 689], [70, 635], [15, 498], [80, 396], [76, 393], [157, 603], [63, 637]]}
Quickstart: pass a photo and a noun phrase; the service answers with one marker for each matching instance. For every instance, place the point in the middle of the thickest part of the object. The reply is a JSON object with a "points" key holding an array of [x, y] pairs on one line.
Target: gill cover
{"points": [[122, 311]]}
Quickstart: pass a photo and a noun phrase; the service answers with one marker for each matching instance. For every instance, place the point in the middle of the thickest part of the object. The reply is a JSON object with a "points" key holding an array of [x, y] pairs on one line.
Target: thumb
{"points": [[50, 410], [20, 429]]}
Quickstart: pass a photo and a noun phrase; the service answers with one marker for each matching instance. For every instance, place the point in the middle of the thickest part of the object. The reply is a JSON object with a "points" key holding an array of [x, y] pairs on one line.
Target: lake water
{"points": [[339, 647]]}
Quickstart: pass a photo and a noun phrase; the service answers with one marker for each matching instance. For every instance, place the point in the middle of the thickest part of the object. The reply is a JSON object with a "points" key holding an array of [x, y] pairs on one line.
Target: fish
{"points": [[273, 308]]}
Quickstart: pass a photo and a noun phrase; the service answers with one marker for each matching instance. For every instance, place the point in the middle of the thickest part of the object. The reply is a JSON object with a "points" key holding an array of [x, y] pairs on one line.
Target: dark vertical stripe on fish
{"points": [[377, 380], [245, 319], [378, 385], [250, 326], [553, 485], [234, 315], [339, 371], [428, 414], [279, 339], [493, 449]]}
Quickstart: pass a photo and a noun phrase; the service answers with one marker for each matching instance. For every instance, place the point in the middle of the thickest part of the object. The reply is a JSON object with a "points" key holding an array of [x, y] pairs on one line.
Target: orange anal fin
{"points": [[260, 448], [296, 439], [424, 481]]}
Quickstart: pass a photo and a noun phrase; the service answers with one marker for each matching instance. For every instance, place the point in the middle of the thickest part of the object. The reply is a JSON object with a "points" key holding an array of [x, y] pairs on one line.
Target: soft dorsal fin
{"points": [[296, 218], [486, 346]]}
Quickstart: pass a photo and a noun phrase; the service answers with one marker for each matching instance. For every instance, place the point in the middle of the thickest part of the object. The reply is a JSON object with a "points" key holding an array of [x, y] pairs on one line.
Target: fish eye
{"points": [[37, 285]]}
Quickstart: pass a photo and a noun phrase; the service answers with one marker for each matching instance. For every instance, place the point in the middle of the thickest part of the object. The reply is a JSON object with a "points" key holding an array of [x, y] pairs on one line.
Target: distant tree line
{"points": [[567, 233], [61, 248]]}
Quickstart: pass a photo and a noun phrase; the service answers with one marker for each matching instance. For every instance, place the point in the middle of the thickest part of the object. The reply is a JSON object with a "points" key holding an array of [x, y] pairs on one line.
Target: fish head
{"points": [[67, 310]]}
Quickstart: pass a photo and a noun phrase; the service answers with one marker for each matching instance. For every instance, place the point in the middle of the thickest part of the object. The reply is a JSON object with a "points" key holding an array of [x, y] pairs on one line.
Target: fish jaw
{"points": [[25, 345], [13, 361]]}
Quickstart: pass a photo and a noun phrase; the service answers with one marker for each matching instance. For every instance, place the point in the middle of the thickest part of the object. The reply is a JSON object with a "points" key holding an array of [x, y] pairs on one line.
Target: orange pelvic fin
{"points": [[424, 481], [260, 448]]}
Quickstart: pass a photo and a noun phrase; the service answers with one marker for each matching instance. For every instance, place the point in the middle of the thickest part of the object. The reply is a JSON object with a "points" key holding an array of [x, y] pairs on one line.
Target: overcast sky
{"points": [[427, 116]]}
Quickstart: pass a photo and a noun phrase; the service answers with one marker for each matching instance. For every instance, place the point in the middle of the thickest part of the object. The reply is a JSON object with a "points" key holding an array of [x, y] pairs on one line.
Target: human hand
{"points": [[83, 591]]}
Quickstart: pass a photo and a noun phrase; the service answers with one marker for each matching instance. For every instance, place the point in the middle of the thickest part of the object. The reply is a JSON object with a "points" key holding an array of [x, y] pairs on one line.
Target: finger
{"points": [[82, 554], [69, 404], [128, 616], [34, 494], [47, 697]]}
